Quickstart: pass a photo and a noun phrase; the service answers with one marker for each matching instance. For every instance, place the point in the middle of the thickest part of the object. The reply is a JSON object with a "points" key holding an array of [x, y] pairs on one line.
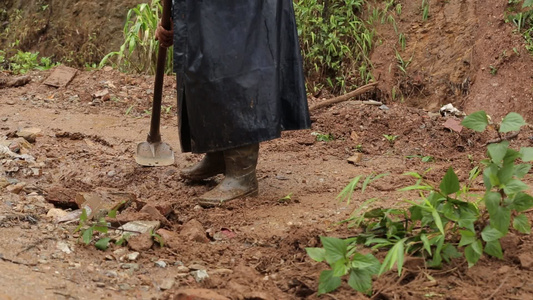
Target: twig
{"points": [[40, 241], [16, 262], [499, 287], [359, 91], [504, 138], [68, 296], [332, 297]]}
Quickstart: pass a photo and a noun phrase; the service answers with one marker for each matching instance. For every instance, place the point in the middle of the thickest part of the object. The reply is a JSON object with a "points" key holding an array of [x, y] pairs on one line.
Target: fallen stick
{"points": [[357, 92], [16, 82]]}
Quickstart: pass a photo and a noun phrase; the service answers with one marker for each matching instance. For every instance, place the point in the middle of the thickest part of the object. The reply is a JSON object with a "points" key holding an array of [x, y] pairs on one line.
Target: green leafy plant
{"points": [[449, 221], [493, 70], [522, 17], [425, 10], [335, 42], [88, 228], [22, 62], [390, 138], [138, 53], [344, 259], [321, 137]]}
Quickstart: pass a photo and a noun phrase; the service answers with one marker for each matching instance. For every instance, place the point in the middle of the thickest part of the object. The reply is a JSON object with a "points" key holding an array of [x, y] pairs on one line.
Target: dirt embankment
{"points": [[464, 53], [75, 32]]}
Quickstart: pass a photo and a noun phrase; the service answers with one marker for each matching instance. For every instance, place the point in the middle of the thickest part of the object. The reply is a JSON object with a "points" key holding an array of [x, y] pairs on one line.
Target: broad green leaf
{"points": [[494, 248], [514, 186], [102, 229], [490, 234], [521, 170], [477, 121], [87, 235], [450, 183], [527, 3], [102, 244], [505, 174], [339, 268], [416, 213], [467, 218], [335, 249], [467, 237], [449, 252], [317, 254], [438, 221], [497, 151], [472, 253], [512, 122], [427, 245], [327, 282], [361, 280], [521, 202], [527, 153], [501, 219], [366, 262], [490, 176], [522, 224], [394, 256], [511, 156], [492, 201], [451, 212]]}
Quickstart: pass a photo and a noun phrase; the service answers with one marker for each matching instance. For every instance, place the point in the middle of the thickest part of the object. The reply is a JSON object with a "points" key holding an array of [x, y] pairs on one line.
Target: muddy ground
{"points": [[255, 248]]}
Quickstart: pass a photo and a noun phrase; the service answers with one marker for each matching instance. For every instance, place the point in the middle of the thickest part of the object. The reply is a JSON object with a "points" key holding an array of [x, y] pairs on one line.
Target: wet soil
{"points": [[255, 248]]}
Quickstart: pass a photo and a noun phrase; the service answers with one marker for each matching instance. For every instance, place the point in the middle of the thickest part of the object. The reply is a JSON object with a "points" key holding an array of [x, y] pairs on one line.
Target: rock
{"points": [[29, 134], [161, 264], [194, 231], [141, 242], [111, 274], [4, 182], [101, 93], [139, 227], [199, 275], [16, 188], [56, 214], [167, 284], [133, 256], [111, 173], [170, 238], [99, 203], [526, 260], [154, 214], [357, 158], [504, 270], [198, 294], [124, 286], [63, 247], [133, 267], [221, 272]]}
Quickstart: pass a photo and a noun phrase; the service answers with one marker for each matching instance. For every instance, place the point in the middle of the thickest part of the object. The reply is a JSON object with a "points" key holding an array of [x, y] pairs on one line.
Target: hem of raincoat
{"points": [[198, 150]]}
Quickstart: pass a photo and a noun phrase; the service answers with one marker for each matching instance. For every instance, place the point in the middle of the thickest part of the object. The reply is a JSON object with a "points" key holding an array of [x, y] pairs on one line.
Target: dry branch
{"points": [[357, 92]]}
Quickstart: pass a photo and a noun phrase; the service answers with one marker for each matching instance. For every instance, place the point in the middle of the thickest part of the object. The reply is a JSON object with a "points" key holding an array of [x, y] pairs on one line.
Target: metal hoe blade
{"points": [[154, 154]]}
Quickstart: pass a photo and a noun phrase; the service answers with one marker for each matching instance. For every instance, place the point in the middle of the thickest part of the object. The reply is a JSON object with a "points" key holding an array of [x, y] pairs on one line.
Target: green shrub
{"points": [[138, 53], [335, 42], [447, 222]]}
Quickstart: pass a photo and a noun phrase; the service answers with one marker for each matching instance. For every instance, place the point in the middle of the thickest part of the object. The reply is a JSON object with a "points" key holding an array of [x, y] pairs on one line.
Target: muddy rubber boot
{"points": [[240, 180], [211, 165]]}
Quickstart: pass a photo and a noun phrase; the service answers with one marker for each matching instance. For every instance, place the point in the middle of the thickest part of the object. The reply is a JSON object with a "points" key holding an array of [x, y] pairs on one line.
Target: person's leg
{"points": [[211, 165], [240, 180]]}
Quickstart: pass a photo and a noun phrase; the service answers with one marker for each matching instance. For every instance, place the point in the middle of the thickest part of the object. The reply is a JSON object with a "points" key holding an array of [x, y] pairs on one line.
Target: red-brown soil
{"points": [[256, 247]]}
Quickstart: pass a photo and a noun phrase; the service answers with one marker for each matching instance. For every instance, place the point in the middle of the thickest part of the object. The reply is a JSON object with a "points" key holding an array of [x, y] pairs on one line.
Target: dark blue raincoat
{"points": [[239, 71]]}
